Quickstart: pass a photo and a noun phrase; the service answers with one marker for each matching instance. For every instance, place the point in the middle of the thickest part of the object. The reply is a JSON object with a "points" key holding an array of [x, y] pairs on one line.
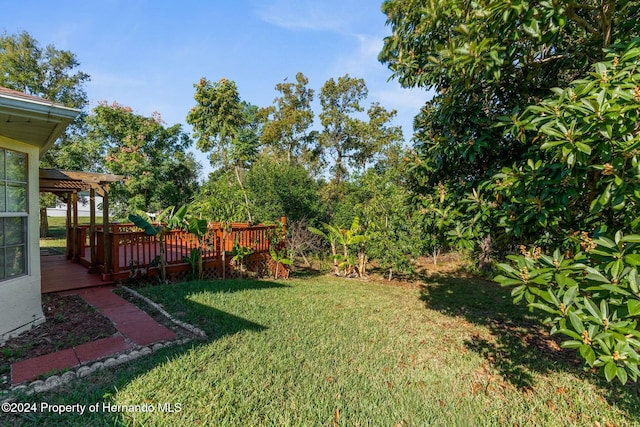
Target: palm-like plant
{"points": [[166, 220], [280, 258], [345, 238], [239, 253], [199, 228]]}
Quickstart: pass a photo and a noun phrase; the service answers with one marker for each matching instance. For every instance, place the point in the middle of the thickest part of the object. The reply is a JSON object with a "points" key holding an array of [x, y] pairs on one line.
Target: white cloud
{"points": [[362, 61], [298, 15]]}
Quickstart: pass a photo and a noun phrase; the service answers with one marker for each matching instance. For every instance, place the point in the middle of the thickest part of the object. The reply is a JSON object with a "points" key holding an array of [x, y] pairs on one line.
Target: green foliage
{"points": [[533, 130], [239, 253], [52, 74], [49, 73], [220, 199], [199, 228], [584, 176], [485, 60], [147, 227], [166, 221], [440, 220], [592, 298], [380, 198], [345, 137], [587, 172], [193, 260], [344, 263], [151, 156], [277, 188], [279, 257], [223, 124], [286, 131], [226, 127]]}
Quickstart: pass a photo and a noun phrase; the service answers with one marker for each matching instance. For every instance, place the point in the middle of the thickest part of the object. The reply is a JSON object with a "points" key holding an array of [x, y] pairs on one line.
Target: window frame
{"points": [[22, 214]]}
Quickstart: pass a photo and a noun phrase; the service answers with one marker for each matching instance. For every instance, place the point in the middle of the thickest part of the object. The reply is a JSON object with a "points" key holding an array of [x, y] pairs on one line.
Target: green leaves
{"points": [[280, 258], [592, 299], [223, 124], [354, 236], [148, 228], [582, 168]]}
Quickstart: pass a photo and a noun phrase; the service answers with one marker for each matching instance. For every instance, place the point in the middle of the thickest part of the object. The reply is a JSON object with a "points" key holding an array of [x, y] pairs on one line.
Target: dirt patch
{"points": [[71, 321]]}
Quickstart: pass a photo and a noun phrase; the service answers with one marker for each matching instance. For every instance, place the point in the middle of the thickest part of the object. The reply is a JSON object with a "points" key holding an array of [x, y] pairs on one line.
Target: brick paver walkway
{"points": [[135, 328]]}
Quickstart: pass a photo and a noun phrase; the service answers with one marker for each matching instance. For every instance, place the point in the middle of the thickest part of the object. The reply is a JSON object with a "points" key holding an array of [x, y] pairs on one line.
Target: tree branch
{"points": [[571, 12]]}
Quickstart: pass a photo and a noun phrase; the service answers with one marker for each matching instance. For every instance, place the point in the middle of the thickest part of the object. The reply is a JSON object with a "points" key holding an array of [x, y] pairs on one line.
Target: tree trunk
{"points": [[336, 271], [362, 257], [484, 261], [44, 223], [348, 267], [244, 193], [306, 261]]}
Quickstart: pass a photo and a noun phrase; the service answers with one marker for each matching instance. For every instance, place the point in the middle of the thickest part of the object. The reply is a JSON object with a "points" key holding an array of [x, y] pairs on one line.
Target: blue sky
{"points": [[148, 54]]}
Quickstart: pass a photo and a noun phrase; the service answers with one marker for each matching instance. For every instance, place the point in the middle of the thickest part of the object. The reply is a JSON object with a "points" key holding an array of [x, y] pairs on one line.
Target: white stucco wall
{"points": [[20, 303]]}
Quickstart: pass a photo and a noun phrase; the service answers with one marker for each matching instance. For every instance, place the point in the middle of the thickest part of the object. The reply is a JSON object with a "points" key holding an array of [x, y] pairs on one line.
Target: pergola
{"points": [[68, 184]]}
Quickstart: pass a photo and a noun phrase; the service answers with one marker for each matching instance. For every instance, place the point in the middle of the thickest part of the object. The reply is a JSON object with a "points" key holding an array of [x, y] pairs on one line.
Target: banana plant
{"points": [[199, 228], [345, 238], [239, 253], [166, 221], [192, 260], [331, 235], [279, 258]]}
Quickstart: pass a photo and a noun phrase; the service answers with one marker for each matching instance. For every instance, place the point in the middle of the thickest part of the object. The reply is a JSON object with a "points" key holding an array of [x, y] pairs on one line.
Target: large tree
{"points": [[49, 73], [490, 59], [349, 139], [52, 74], [225, 127], [153, 157], [278, 188], [287, 131]]}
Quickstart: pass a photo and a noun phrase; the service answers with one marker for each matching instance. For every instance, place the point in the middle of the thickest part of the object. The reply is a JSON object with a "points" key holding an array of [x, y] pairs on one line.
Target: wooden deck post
{"points": [[106, 232], [69, 251], [76, 246], [92, 227]]}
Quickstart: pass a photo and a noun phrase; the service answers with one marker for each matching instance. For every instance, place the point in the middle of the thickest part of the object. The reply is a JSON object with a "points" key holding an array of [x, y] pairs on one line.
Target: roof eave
{"points": [[41, 110]]}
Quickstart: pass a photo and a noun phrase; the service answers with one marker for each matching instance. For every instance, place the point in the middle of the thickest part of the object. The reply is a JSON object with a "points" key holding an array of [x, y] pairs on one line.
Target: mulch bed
{"points": [[71, 321]]}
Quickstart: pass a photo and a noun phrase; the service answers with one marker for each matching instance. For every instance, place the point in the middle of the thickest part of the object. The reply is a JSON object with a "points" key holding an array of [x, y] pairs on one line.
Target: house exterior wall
{"points": [[20, 303]]}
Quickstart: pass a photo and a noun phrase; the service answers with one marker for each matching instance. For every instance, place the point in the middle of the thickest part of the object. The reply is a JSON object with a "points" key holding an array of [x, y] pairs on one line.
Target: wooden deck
{"points": [[60, 274], [124, 249]]}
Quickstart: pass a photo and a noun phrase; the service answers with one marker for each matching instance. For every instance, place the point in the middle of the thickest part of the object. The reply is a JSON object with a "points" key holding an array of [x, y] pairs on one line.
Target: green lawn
{"points": [[57, 233], [323, 351]]}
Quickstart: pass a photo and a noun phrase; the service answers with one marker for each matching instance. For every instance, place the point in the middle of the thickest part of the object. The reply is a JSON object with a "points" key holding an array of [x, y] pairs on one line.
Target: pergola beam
{"points": [[70, 183]]}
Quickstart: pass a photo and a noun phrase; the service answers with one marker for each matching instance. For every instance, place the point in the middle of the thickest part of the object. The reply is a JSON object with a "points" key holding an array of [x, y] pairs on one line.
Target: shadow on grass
{"points": [[178, 300], [520, 344], [304, 272], [103, 385]]}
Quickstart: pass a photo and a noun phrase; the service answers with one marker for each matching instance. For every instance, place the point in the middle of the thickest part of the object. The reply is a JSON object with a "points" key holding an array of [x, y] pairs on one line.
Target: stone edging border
{"points": [[84, 370], [194, 330]]}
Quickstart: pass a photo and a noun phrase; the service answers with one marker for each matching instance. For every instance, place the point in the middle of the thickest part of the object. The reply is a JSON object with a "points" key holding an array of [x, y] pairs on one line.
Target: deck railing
{"points": [[130, 247]]}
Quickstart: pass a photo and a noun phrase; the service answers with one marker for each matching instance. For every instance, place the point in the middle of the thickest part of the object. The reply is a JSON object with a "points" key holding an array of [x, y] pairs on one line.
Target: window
{"points": [[13, 214]]}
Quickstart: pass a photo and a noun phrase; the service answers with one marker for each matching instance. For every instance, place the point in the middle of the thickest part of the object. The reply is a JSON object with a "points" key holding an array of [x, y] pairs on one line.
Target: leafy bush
{"points": [[584, 165], [592, 298], [587, 176]]}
